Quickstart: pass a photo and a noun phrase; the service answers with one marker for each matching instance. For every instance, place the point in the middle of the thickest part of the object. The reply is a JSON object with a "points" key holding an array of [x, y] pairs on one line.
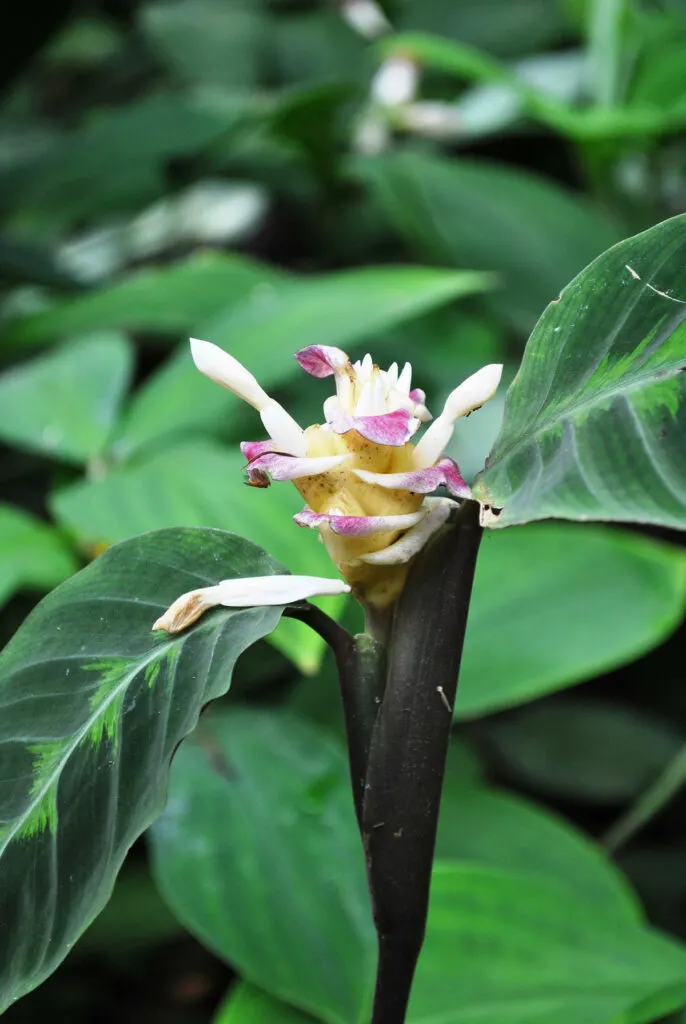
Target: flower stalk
{"points": [[404, 777]]}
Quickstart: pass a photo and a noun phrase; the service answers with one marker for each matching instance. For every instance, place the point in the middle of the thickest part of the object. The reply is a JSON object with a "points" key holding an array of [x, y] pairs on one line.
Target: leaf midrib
{"points": [[569, 410], [76, 739]]}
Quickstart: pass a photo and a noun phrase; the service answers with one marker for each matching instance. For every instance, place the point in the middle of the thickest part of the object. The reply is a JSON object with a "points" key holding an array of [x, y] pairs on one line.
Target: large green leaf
{"points": [[161, 300], [277, 883], [468, 213], [258, 845], [505, 948], [175, 400], [505, 27], [498, 829], [200, 484], [525, 635], [32, 554], [594, 425], [115, 161], [207, 41], [585, 750], [93, 706], [337, 309], [65, 403], [246, 1004]]}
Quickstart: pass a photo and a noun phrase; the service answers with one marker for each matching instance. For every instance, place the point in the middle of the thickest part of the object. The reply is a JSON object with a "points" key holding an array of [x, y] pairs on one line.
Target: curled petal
{"points": [[223, 369], [322, 360], [391, 428], [285, 467], [470, 395], [421, 481], [357, 526], [245, 592], [437, 511]]}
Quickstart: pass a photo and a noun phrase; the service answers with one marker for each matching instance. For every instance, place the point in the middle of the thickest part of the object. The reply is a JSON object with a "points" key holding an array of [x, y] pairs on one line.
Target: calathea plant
{"points": [[112, 669]]}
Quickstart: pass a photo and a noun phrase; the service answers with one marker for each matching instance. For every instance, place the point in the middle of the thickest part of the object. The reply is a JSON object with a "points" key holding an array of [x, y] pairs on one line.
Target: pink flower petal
{"points": [[418, 396], [391, 428], [421, 481], [253, 449], [321, 360], [286, 467], [357, 526]]}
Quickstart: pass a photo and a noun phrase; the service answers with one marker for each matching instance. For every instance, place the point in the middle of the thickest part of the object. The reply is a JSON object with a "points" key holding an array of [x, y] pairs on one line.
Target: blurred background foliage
{"points": [[241, 170]]}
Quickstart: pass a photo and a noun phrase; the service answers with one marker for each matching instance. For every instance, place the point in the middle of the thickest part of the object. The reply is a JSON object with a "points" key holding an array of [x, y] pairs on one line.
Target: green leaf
{"points": [[32, 554], [164, 300], [207, 42], [338, 308], [113, 162], [490, 217], [175, 400], [200, 484], [246, 1004], [503, 27], [590, 751], [93, 707], [502, 830], [316, 46], [65, 403], [134, 920], [525, 635], [507, 937], [508, 948], [595, 420], [290, 864]]}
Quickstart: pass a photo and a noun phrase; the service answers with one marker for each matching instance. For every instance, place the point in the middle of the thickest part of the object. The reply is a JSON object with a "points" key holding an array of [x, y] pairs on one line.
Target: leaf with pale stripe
{"points": [[92, 707], [595, 420]]}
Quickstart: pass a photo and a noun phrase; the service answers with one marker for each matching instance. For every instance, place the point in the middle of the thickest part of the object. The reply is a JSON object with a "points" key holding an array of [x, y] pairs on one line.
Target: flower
{"points": [[364, 480]]}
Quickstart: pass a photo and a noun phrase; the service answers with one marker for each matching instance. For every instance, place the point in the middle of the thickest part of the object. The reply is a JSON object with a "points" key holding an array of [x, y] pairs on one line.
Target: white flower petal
{"points": [[405, 379], [365, 403], [246, 592], [392, 375], [470, 395], [282, 428], [437, 511], [474, 391], [222, 368]]}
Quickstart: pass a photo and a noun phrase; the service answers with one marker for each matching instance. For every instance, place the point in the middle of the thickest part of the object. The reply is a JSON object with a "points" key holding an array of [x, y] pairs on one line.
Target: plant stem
{"points": [[408, 752], [650, 803], [361, 665]]}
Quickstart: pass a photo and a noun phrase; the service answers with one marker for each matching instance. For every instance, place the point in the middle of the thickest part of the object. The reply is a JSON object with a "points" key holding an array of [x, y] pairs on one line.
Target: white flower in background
{"points": [[365, 482], [396, 81], [365, 17]]}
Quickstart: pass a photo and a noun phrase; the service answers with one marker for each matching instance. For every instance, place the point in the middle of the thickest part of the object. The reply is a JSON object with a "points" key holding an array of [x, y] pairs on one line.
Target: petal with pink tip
{"points": [[253, 449], [391, 428], [357, 526], [421, 481], [322, 360], [286, 467], [404, 549]]}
